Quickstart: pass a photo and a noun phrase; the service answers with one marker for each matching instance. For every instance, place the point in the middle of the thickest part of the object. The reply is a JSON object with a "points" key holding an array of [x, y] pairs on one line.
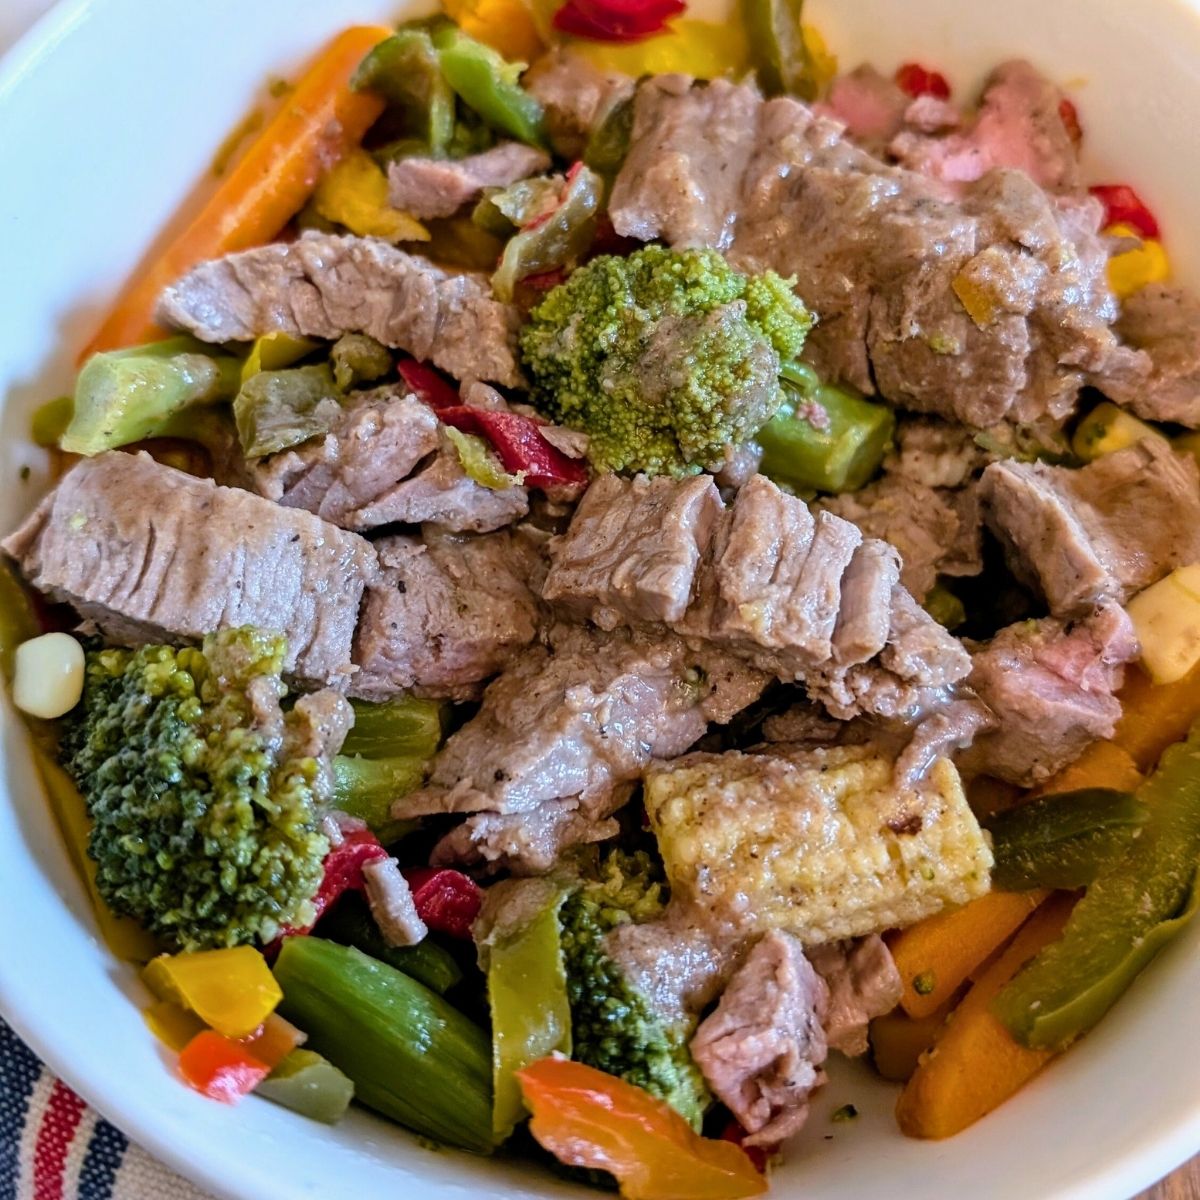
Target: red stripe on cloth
{"points": [[63, 1114]]}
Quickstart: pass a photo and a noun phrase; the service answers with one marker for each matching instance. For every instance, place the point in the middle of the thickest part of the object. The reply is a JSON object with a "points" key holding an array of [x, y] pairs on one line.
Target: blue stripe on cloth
{"points": [[104, 1154], [19, 1071]]}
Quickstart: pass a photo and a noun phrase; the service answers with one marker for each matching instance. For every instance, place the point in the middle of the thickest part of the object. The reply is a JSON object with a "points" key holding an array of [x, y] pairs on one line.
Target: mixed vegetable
{"points": [[271, 853]]}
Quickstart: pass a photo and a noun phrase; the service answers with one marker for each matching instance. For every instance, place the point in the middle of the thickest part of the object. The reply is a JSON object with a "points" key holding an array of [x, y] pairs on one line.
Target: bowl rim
{"points": [[216, 1168]]}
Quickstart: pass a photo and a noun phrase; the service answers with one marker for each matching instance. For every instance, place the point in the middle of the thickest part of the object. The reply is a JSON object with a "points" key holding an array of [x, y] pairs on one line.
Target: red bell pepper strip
{"points": [[273, 1041], [915, 80], [547, 281], [520, 446], [616, 20], [1069, 115], [447, 901], [219, 1068], [1123, 206], [586, 1118], [427, 384]]}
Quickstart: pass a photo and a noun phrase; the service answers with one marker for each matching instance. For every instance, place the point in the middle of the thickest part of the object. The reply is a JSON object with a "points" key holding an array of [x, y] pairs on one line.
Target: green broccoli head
{"points": [[205, 811], [613, 1026], [664, 358]]}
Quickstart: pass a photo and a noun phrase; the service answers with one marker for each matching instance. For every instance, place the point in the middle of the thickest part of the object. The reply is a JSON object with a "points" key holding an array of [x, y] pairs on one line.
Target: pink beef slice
{"points": [[1019, 125], [1051, 687], [1164, 323], [324, 285], [761, 1050], [439, 187], [877, 251], [874, 109], [448, 613], [862, 982], [149, 554], [386, 461], [564, 732], [1106, 530]]}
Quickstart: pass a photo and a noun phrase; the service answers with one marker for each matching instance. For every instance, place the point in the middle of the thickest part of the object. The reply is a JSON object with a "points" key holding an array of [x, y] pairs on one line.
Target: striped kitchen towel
{"points": [[54, 1147]]}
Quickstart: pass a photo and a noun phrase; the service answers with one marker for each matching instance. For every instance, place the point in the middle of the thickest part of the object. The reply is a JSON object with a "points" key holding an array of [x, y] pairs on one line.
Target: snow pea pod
{"points": [[1133, 908]]}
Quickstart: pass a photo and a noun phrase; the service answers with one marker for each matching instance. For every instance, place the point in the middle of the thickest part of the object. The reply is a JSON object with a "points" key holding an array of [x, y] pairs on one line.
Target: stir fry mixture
{"points": [[611, 562]]}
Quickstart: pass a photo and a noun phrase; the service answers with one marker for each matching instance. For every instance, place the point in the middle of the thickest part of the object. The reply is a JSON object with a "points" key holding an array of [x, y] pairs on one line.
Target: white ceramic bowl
{"points": [[108, 111]]}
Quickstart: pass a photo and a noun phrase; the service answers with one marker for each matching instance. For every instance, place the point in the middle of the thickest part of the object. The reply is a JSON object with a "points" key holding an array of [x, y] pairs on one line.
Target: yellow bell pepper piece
{"points": [[1132, 270], [355, 194], [694, 47], [172, 1025], [506, 25], [274, 351], [231, 990], [823, 63]]}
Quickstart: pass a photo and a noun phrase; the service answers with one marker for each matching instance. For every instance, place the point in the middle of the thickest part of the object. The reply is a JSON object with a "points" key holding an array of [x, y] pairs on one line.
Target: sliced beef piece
{"points": [[565, 732], [909, 516], [324, 285], [762, 1048], [576, 96], [1019, 125], [874, 109], [1105, 530], [936, 453], [442, 493], [147, 553], [439, 187], [391, 903], [862, 982], [380, 438], [878, 252], [1051, 688], [449, 612], [1164, 323], [943, 734], [632, 549]]}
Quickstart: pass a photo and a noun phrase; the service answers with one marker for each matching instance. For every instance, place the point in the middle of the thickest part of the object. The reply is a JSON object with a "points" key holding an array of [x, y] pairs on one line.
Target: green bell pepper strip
{"points": [[410, 1055], [777, 48], [18, 619], [366, 788], [488, 84], [124, 396], [349, 923], [1134, 907], [358, 358], [609, 141], [944, 606], [823, 437], [275, 410], [50, 420], [1062, 841], [406, 71], [531, 1014], [310, 1085]]}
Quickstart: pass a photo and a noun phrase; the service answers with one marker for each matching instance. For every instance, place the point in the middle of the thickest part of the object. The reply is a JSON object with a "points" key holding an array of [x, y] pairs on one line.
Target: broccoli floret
{"points": [[613, 1026], [664, 358], [205, 805]]}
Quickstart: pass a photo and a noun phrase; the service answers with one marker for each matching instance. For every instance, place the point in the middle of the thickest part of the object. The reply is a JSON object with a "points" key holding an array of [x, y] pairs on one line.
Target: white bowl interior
{"points": [[108, 112]]}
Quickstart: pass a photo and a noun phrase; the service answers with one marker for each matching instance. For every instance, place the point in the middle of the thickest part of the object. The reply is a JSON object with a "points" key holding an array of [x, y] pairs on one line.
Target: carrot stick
{"points": [[898, 1041], [319, 121], [975, 1063], [1101, 765], [1155, 714], [935, 956]]}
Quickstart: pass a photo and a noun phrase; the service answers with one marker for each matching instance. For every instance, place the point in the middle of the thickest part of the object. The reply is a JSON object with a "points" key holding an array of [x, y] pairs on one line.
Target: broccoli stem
{"points": [[124, 396], [824, 438], [366, 787], [349, 923], [411, 1056], [404, 727]]}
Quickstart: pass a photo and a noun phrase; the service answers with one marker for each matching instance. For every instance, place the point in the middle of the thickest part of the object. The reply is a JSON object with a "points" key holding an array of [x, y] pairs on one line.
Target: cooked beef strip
{"points": [[803, 597], [448, 612], [564, 732], [439, 187], [935, 453], [575, 95], [1050, 686], [1019, 124], [442, 493], [391, 903], [147, 553], [378, 441], [862, 982], [877, 252], [761, 1050], [632, 549], [1103, 531], [325, 285], [1163, 322]]}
